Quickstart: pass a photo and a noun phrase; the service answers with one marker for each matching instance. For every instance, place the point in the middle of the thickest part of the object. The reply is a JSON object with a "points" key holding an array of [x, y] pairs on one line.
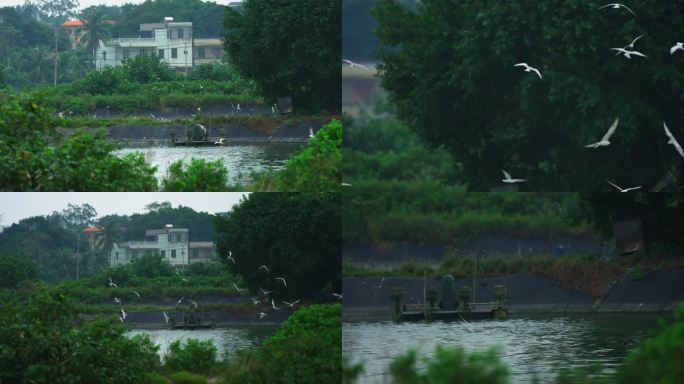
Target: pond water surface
{"points": [[532, 347]]}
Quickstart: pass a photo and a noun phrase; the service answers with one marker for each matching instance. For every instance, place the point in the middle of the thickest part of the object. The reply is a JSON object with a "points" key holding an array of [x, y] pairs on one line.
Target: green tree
{"points": [[146, 69], [304, 349], [449, 67], [37, 64], [150, 266], [44, 340], [96, 29], [111, 234], [317, 167], [14, 270], [289, 49], [297, 236], [76, 219], [34, 156]]}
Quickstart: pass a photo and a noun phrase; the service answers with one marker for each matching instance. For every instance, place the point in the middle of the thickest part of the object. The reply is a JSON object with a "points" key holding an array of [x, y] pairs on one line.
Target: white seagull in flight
{"points": [[273, 305], [166, 317], [353, 64], [529, 69], [508, 179], [265, 291], [631, 45], [239, 289], [618, 6], [230, 257], [264, 267], [136, 293], [605, 140], [111, 283], [626, 53], [123, 314], [311, 133], [677, 47], [623, 189], [673, 141], [281, 279], [261, 315], [292, 303]]}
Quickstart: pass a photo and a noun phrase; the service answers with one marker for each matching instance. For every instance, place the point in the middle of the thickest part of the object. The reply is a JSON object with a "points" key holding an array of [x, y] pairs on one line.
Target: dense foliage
{"points": [[661, 216], [657, 359], [289, 49], [451, 365], [199, 175], [305, 349], [193, 356], [36, 157], [14, 270], [297, 236], [449, 67], [43, 340], [316, 167]]}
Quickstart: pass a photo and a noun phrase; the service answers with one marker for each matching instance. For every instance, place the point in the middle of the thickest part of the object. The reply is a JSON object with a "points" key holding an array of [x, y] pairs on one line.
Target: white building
{"points": [[172, 41], [173, 244]]}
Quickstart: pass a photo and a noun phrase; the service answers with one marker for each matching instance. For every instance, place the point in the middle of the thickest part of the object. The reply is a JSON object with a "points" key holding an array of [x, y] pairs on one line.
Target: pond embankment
{"points": [[657, 291]]}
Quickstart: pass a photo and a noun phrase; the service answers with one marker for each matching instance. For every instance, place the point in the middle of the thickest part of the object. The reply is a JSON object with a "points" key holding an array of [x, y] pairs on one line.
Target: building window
{"points": [[148, 252], [116, 255], [195, 253], [174, 53], [173, 253], [178, 237], [161, 53], [126, 53], [163, 253], [200, 52], [104, 55], [180, 33]]}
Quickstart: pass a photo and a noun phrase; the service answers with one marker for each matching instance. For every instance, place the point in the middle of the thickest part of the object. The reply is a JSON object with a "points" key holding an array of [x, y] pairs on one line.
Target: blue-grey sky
{"points": [[15, 206], [88, 3]]}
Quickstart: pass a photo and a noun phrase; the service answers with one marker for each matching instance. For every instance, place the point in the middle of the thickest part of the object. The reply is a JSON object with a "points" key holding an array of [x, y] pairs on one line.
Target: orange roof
{"points": [[92, 228], [73, 23]]}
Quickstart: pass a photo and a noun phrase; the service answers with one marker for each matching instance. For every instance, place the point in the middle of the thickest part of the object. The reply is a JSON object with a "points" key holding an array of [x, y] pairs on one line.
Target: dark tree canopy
{"points": [[289, 49], [661, 215], [449, 67], [296, 235]]}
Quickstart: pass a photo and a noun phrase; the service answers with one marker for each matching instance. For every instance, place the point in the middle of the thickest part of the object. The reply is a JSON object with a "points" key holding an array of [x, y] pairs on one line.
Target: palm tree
{"points": [[111, 234], [96, 29], [36, 63]]}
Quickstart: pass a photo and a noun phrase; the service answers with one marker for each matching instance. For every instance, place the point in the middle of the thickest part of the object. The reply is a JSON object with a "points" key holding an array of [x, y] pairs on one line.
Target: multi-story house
{"points": [[173, 41], [173, 244]]}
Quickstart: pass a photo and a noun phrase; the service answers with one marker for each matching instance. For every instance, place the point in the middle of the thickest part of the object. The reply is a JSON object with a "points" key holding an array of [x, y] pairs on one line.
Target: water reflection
{"points": [[240, 159], [537, 346], [226, 340]]}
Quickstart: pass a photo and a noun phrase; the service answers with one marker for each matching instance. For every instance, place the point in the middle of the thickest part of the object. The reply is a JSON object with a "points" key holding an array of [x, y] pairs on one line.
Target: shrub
{"points": [[305, 349], [104, 81], [204, 268], [194, 356], [149, 266], [184, 377], [451, 365], [43, 340], [657, 359], [33, 156], [200, 175], [315, 168], [146, 69]]}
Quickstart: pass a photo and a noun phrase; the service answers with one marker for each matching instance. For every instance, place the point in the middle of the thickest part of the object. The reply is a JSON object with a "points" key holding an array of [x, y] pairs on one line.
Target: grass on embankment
{"points": [[586, 273]]}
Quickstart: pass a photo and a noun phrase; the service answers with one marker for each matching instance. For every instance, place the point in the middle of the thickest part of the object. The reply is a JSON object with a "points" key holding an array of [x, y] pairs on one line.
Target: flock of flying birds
{"points": [[255, 300], [627, 51]]}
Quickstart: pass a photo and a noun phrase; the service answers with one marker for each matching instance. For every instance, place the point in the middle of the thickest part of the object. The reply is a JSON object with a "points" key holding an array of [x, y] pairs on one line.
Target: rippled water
{"points": [[226, 340], [240, 159], [535, 346]]}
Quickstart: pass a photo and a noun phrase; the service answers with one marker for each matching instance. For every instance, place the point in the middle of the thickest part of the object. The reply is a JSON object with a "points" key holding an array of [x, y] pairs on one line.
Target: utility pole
{"points": [[56, 56], [78, 253]]}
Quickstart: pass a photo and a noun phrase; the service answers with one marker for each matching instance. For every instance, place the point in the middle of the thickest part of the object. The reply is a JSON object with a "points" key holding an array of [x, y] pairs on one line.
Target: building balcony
{"points": [[133, 42]]}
